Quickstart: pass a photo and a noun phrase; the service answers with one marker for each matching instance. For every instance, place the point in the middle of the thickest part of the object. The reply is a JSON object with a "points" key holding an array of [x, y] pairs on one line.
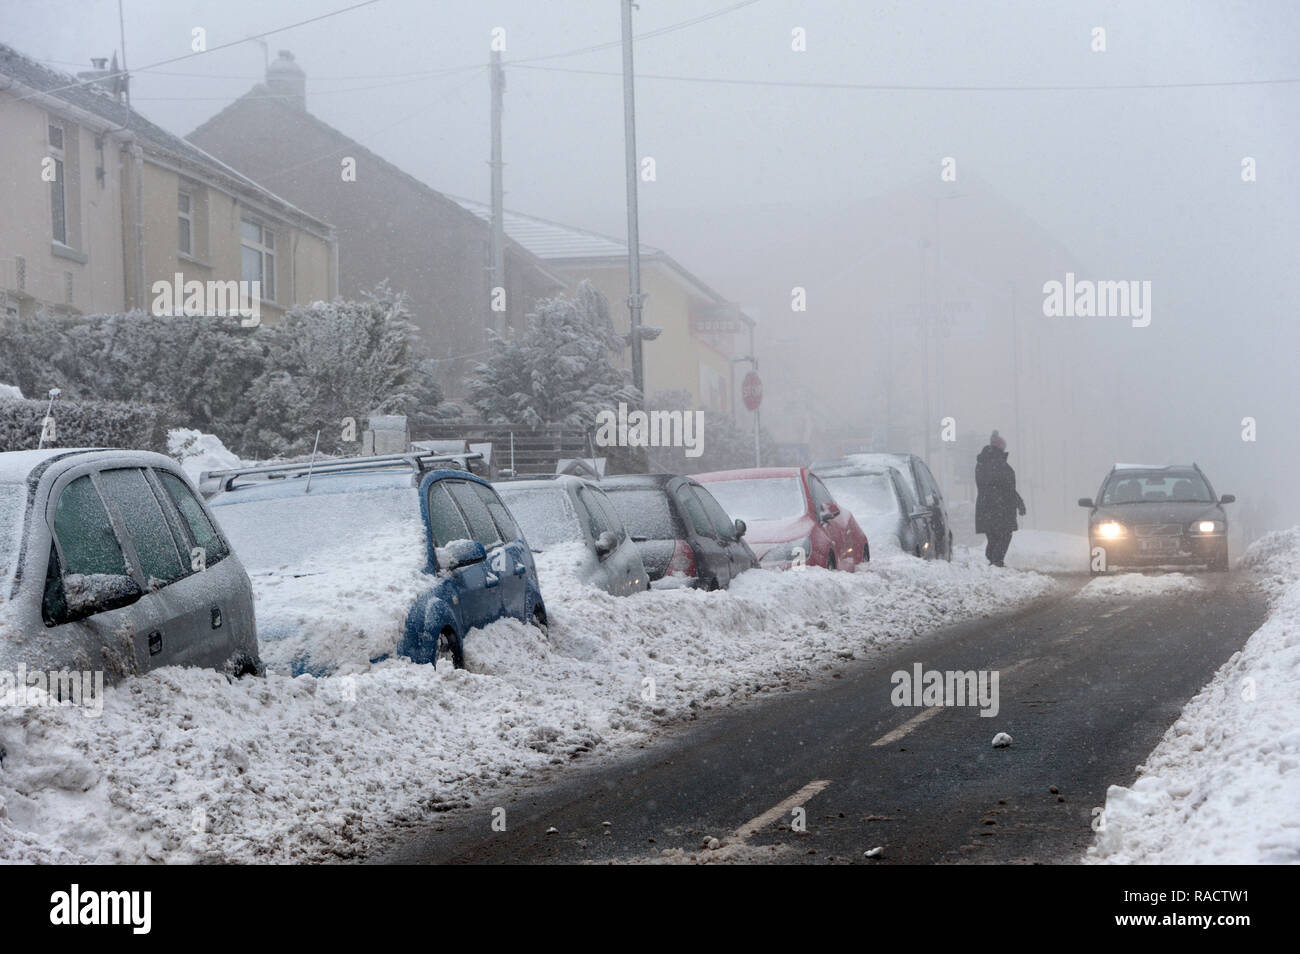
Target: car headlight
{"points": [[799, 552], [1207, 526], [1110, 530]]}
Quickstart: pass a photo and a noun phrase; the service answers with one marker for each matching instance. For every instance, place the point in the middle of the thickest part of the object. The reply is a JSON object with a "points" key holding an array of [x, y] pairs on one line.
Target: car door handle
{"points": [[155, 643], [520, 569], [492, 579]]}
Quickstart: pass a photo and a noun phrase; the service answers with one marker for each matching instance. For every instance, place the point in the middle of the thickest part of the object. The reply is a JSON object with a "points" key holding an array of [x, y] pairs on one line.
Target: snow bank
{"points": [[184, 766], [198, 452], [1221, 787], [1044, 551], [10, 392], [1138, 586]]}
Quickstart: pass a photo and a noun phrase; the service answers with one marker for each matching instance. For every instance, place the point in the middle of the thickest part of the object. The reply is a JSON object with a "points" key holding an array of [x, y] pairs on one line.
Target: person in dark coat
{"points": [[996, 500]]}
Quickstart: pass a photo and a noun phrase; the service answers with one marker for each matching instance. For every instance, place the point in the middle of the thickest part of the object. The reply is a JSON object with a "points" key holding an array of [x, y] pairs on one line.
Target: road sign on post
{"points": [[751, 390]]}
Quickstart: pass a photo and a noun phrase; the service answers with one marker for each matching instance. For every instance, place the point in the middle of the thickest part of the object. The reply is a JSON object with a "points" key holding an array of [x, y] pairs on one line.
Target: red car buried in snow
{"points": [[791, 518]]}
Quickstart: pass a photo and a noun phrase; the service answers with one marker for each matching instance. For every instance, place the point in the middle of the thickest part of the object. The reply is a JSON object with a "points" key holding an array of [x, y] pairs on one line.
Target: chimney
{"points": [[284, 78]]}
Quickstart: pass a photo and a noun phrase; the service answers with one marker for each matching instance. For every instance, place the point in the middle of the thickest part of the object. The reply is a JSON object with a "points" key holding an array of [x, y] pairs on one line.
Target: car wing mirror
{"points": [[606, 543], [1085, 502], [1228, 498], [739, 528], [827, 513], [459, 553], [919, 514], [87, 595]]}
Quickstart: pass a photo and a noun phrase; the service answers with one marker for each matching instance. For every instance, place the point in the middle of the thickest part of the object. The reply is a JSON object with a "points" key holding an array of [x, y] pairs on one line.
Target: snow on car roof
{"points": [[15, 466]]}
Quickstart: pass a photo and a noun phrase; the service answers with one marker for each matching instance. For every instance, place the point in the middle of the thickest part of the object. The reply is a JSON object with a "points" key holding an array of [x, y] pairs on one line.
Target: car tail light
{"points": [[683, 560]]}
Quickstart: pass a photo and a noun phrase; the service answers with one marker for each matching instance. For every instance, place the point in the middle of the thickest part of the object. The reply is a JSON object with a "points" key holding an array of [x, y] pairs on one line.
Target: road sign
{"points": [[751, 389]]}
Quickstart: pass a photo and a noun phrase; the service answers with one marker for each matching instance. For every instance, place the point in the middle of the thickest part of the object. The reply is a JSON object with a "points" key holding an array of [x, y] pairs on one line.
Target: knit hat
{"points": [[998, 441]]}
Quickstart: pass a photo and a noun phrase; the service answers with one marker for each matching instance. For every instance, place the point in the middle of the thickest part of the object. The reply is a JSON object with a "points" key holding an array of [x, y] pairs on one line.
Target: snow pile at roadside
{"points": [[564, 567], [1043, 551], [1139, 586], [197, 452], [10, 392], [185, 766], [1221, 787]]}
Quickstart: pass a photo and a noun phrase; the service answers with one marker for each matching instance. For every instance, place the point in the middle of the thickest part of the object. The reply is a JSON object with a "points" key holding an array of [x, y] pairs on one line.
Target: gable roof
{"points": [[46, 84]]}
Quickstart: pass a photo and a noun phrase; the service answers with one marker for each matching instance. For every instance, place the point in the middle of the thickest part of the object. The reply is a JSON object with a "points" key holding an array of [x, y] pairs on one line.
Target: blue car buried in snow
{"points": [[358, 559]]}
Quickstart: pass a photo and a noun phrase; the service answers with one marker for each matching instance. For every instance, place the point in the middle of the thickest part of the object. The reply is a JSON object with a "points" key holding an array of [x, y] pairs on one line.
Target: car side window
{"points": [[589, 514], [147, 526], [605, 513], [478, 519], [694, 512], [505, 523], [445, 520], [717, 516], [820, 495], [928, 486], [85, 535], [204, 533]]}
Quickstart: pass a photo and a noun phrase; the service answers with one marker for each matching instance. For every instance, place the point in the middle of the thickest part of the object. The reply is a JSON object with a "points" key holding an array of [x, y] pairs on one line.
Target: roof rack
{"points": [[215, 481]]}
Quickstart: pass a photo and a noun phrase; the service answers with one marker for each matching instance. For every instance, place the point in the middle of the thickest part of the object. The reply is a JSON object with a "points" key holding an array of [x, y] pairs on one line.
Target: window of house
{"points": [[258, 256], [185, 221], [58, 195]]}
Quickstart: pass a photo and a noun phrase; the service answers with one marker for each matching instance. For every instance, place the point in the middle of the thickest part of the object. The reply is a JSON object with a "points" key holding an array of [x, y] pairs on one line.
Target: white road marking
{"points": [[741, 834], [1117, 609]]}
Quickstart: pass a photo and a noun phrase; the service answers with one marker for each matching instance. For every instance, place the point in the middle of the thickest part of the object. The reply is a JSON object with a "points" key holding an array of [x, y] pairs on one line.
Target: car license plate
{"points": [[1158, 545]]}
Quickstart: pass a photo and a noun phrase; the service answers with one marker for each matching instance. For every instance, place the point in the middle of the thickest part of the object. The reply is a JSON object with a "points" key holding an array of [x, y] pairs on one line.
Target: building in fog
{"points": [[99, 203], [390, 226], [700, 331]]}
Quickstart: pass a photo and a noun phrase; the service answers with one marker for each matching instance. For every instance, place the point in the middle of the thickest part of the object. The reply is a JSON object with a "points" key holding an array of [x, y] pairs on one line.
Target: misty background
{"points": [[762, 187]]}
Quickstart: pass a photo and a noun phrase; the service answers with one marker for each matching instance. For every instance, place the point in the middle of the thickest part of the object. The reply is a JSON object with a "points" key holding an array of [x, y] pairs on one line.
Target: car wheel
{"points": [[450, 649], [539, 620]]}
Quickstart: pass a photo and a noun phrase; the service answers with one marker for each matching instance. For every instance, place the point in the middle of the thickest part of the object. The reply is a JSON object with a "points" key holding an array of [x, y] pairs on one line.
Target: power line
{"points": [[900, 87], [211, 49]]}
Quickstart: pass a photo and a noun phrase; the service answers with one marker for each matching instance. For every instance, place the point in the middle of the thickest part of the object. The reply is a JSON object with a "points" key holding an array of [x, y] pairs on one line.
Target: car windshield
{"points": [[13, 500], [1160, 486], [864, 493], [645, 512], [544, 514], [303, 532], [760, 498]]}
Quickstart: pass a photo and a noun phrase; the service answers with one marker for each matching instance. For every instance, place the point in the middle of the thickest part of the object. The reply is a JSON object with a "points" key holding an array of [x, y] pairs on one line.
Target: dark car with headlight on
{"points": [[1157, 516]]}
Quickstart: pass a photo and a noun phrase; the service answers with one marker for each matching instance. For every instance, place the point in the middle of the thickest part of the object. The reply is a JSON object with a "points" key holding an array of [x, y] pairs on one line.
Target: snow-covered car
{"points": [[109, 562], [883, 505], [920, 481], [572, 524], [685, 537], [358, 560], [1157, 515], [792, 520]]}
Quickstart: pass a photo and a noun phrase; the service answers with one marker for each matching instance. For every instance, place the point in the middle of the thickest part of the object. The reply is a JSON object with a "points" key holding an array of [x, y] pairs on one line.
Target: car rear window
{"points": [[545, 514], [760, 498], [297, 531], [864, 494], [645, 512]]}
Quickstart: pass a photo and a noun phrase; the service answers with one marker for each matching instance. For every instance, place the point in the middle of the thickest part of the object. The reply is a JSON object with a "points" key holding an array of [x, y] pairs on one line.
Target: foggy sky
{"points": [[1140, 184]]}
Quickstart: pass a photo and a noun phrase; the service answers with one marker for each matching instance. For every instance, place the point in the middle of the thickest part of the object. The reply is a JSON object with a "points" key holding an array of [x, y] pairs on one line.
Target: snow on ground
{"points": [[198, 452], [1139, 585], [1221, 787], [1044, 551], [183, 766], [9, 391]]}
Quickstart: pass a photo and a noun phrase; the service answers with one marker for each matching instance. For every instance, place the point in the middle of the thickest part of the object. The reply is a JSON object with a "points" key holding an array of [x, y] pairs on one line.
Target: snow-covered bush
{"points": [[559, 370], [83, 424]]}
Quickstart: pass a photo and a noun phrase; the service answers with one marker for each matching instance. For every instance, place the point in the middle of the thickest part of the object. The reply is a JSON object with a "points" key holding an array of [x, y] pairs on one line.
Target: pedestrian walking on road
{"points": [[996, 499]]}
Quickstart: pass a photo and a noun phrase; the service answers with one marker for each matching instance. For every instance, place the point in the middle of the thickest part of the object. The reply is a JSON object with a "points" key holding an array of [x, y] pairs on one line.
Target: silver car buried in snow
{"points": [[109, 562]]}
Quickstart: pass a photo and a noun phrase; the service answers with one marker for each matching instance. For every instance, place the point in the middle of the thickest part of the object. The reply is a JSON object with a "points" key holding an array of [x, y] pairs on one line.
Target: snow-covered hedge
{"points": [[83, 424]]}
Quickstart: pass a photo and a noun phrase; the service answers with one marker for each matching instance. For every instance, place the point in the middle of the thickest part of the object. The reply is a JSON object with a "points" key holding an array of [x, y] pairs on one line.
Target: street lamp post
{"points": [[634, 297]]}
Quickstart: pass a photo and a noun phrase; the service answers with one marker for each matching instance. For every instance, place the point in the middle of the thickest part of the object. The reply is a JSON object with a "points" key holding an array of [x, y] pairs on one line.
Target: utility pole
{"points": [[497, 318], [126, 76], [634, 297]]}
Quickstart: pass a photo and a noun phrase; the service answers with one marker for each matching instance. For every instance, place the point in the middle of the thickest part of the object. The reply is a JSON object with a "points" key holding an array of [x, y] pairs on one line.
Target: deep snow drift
{"points": [[1223, 785], [184, 766]]}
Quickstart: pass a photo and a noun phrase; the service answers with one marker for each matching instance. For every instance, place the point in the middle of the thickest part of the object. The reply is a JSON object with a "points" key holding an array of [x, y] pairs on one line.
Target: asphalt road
{"points": [[1086, 689]]}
